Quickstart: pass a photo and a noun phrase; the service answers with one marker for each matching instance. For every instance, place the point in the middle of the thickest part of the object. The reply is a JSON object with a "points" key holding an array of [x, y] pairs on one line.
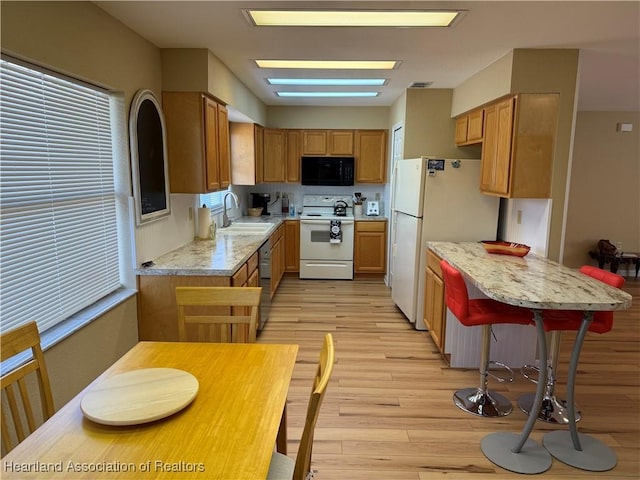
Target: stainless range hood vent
{"points": [[420, 84]]}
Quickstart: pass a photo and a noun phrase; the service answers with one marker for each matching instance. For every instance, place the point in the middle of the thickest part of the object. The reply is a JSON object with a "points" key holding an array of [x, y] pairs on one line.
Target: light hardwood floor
{"points": [[388, 412]]}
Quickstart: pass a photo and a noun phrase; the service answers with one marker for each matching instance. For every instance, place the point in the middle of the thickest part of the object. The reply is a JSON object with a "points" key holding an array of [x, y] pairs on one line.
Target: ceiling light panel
{"points": [[353, 18], [324, 82], [327, 94], [330, 64]]}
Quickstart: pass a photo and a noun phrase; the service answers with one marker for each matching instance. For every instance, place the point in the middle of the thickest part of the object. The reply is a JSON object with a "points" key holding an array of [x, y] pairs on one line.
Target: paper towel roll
{"points": [[204, 222]]}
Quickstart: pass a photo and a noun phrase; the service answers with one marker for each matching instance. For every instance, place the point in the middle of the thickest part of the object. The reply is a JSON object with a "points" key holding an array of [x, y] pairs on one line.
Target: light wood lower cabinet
{"points": [[157, 311], [277, 258], [292, 246], [434, 303], [370, 247]]}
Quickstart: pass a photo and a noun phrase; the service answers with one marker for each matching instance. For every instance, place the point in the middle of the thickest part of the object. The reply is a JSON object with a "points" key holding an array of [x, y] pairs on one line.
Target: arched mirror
{"points": [[149, 166]]}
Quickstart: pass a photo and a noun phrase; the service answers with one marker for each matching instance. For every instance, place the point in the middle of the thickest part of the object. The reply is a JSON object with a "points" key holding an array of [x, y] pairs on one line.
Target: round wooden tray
{"points": [[139, 396]]}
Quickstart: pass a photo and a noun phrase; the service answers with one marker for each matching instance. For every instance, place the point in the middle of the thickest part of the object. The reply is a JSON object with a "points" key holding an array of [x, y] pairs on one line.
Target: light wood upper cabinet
{"points": [[327, 142], [247, 141], [293, 153], [314, 142], [470, 128], [275, 163], [371, 156], [197, 142], [518, 146], [370, 247], [224, 147], [340, 142]]}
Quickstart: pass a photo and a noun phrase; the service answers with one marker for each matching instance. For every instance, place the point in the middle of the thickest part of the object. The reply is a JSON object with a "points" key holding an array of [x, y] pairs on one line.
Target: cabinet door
{"points": [[475, 125], [370, 241], [434, 308], [293, 149], [274, 155], [292, 246], [503, 148], [314, 142], [224, 151], [489, 149], [340, 142], [211, 144], [371, 156], [259, 142], [461, 129]]}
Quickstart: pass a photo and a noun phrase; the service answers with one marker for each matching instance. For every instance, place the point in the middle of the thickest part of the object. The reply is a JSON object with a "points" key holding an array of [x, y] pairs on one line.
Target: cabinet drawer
{"points": [[368, 226], [252, 263], [238, 278], [433, 262]]}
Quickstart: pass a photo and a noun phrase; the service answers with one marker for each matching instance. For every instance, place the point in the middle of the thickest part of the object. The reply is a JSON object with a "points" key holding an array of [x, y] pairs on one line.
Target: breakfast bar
{"points": [[539, 284]]}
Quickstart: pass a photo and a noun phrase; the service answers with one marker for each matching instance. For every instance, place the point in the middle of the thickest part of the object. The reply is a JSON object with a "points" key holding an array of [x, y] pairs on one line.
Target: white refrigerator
{"points": [[433, 199]]}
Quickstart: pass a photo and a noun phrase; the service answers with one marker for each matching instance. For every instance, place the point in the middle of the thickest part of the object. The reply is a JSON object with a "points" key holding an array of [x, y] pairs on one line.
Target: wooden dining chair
{"points": [[14, 385], [220, 314], [283, 467]]}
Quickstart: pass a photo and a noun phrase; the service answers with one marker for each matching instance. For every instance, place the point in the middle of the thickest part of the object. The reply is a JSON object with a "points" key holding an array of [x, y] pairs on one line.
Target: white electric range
{"points": [[326, 237]]}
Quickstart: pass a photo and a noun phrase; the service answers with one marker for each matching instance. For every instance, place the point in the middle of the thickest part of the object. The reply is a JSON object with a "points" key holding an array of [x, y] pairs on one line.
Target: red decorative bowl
{"points": [[506, 248]]}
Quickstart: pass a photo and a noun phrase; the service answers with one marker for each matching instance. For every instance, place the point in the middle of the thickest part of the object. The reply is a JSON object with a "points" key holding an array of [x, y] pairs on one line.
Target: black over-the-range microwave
{"points": [[330, 171]]}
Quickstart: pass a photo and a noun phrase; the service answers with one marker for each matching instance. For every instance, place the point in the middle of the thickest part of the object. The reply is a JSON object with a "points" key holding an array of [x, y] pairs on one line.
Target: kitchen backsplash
{"points": [[295, 193]]}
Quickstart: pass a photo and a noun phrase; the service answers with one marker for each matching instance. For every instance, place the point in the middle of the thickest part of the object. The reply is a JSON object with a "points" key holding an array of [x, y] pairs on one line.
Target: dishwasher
{"points": [[264, 256]]}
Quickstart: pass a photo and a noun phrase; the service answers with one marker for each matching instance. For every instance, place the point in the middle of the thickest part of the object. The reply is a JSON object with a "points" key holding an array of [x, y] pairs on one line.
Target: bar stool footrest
{"points": [[525, 368], [482, 403], [501, 379], [552, 410]]}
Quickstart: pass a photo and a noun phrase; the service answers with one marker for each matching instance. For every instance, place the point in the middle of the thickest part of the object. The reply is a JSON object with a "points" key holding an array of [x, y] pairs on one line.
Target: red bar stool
{"points": [[554, 410], [486, 312]]}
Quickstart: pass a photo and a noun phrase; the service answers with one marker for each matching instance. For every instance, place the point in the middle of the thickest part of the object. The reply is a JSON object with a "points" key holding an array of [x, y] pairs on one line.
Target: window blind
{"points": [[213, 200], [58, 238]]}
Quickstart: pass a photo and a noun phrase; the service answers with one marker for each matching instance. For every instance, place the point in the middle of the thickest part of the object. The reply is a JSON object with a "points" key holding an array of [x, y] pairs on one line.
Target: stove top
{"points": [[321, 207]]}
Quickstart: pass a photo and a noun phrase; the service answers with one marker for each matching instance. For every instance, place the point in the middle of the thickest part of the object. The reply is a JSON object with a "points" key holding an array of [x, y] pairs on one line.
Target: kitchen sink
{"points": [[248, 228]]}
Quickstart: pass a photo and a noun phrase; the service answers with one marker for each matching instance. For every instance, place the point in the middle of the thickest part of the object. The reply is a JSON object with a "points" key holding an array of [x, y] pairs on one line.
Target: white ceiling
{"points": [[606, 32]]}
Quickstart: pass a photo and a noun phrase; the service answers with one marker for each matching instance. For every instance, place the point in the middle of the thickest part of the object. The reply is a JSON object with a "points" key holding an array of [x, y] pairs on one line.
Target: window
{"points": [[213, 200], [58, 235]]}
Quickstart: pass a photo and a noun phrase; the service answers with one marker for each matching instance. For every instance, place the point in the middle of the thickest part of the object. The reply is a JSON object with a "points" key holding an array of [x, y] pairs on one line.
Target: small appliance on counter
{"points": [[373, 208], [261, 200]]}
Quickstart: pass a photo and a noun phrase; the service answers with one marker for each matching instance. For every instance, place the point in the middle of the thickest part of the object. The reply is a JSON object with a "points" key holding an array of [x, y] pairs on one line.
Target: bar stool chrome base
{"points": [[482, 403], [595, 456], [551, 411]]}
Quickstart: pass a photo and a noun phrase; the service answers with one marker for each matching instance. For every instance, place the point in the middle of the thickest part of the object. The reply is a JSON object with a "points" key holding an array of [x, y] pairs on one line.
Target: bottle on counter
{"points": [[292, 210]]}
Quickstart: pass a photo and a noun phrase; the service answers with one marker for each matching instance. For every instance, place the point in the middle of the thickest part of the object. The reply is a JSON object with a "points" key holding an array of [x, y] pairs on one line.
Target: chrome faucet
{"points": [[225, 218]]}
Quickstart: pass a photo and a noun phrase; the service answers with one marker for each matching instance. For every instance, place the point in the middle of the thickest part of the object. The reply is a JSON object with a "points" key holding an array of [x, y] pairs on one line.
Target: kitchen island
{"points": [[230, 259], [539, 284]]}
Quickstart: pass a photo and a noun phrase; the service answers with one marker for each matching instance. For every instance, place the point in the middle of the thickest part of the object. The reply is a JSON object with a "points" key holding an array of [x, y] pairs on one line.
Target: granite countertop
{"points": [[222, 256], [531, 281]]}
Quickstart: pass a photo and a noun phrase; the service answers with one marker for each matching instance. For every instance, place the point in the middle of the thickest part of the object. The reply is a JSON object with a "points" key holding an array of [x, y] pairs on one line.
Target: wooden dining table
{"points": [[228, 431], [539, 284]]}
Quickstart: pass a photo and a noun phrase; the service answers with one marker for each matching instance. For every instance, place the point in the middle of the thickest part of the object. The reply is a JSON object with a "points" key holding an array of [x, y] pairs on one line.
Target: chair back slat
{"points": [[21, 420], [218, 314]]}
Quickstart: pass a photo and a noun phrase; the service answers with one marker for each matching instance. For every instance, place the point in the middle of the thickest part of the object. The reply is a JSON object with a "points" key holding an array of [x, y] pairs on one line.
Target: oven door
{"points": [[315, 245]]}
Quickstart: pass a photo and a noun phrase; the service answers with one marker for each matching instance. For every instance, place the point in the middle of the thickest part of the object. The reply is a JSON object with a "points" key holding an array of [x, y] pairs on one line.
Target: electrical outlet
{"points": [[619, 246], [519, 217], [190, 213]]}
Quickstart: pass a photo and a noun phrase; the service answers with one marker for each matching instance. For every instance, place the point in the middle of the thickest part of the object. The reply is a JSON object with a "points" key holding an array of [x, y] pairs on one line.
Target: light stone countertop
{"points": [[531, 281], [222, 256]]}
